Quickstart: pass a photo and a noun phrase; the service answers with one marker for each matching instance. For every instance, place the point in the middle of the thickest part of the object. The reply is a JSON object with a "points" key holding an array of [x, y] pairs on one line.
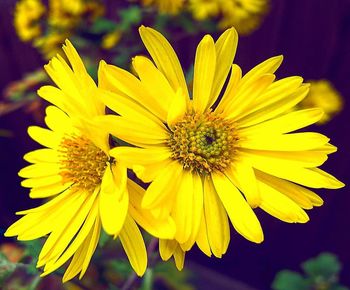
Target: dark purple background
{"points": [[314, 37]]}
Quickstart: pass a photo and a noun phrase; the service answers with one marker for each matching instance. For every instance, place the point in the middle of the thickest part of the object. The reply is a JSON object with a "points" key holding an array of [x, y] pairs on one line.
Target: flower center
{"points": [[203, 142], [82, 162]]}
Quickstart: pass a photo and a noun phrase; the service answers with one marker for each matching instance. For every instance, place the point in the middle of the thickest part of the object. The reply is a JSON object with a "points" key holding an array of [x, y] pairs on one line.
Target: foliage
{"points": [[320, 273]]}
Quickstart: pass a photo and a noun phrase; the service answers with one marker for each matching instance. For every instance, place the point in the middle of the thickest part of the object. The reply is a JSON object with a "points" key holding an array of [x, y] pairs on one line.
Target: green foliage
{"points": [[103, 25], [321, 273], [131, 16]]}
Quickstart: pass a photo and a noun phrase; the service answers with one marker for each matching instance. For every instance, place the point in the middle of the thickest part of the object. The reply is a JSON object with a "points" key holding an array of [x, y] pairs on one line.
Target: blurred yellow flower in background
{"points": [[49, 45], [27, 18], [165, 6], [111, 39], [88, 188], [244, 15], [212, 159], [323, 95]]}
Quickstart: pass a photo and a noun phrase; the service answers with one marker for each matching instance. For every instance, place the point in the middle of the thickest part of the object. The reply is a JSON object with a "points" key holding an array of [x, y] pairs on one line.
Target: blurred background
{"points": [[313, 36]]}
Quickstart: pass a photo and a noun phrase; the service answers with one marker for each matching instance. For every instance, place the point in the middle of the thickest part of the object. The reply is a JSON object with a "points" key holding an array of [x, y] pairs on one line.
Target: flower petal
{"points": [[134, 246], [204, 73], [240, 213], [164, 57]]}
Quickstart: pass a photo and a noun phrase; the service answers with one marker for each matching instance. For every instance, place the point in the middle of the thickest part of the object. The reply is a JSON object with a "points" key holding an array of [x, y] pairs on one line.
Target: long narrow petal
{"points": [[202, 240], [134, 246], [114, 199], [218, 229], [45, 137], [241, 174], [165, 58], [225, 48], [288, 142], [240, 213], [164, 188], [280, 206], [204, 72], [284, 124], [160, 228]]}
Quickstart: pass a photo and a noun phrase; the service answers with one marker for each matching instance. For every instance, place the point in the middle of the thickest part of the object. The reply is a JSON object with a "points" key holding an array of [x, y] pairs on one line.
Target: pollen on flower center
{"points": [[82, 162], [203, 142]]}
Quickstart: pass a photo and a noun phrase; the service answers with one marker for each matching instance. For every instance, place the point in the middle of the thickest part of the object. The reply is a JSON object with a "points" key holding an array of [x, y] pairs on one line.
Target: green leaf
{"points": [[103, 25], [288, 280], [325, 265], [147, 281], [6, 268], [339, 287], [129, 17]]}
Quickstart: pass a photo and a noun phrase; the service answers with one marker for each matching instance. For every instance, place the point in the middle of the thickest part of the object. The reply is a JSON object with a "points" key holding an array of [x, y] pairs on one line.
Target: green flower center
{"points": [[203, 142], [82, 162]]}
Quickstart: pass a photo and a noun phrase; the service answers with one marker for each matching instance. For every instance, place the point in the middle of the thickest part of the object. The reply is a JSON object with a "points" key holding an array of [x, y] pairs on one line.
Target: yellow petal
{"points": [[57, 120], [41, 181], [120, 81], [155, 83], [288, 142], [244, 98], [204, 72], [133, 131], [140, 156], [39, 170], [216, 220], [287, 123], [225, 48], [50, 190], [202, 240], [231, 89], [41, 155], [65, 229], [268, 66], [177, 109], [241, 174], [148, 173], [275, 109], [164, 187], [134, 246], [160, 228], [310, 158], [179, 257], [280, 206], [128, 108], [45, 137], [277, 91], [240, 213], [183, 207], [167, 248], [114, 198], [298, 194], [76, 243], [197, 211], [164, 57]]}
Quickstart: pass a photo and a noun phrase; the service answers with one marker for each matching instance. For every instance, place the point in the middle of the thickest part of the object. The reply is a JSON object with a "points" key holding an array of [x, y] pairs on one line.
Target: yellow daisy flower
{"points": [[323, 95], [245, 15], [50, 44], [165, 6], [26, 18], [213, 154], [89, 189]]}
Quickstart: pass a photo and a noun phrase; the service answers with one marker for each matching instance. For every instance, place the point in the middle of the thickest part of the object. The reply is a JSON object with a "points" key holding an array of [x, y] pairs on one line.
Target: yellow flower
{"points": [[50, 44], [322, 94], [165, 6], [89, 189], [245, 15], [111, 39], [211, 158], [26, 19]]}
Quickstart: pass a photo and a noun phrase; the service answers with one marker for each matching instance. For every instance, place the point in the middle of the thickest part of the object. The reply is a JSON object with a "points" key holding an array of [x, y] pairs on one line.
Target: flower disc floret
{"points": [[82, 162], [203, 142]]}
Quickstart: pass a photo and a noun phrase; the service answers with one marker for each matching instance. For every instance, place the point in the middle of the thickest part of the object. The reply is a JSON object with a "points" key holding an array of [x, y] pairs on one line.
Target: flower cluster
{"points": [[210, 155]]}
